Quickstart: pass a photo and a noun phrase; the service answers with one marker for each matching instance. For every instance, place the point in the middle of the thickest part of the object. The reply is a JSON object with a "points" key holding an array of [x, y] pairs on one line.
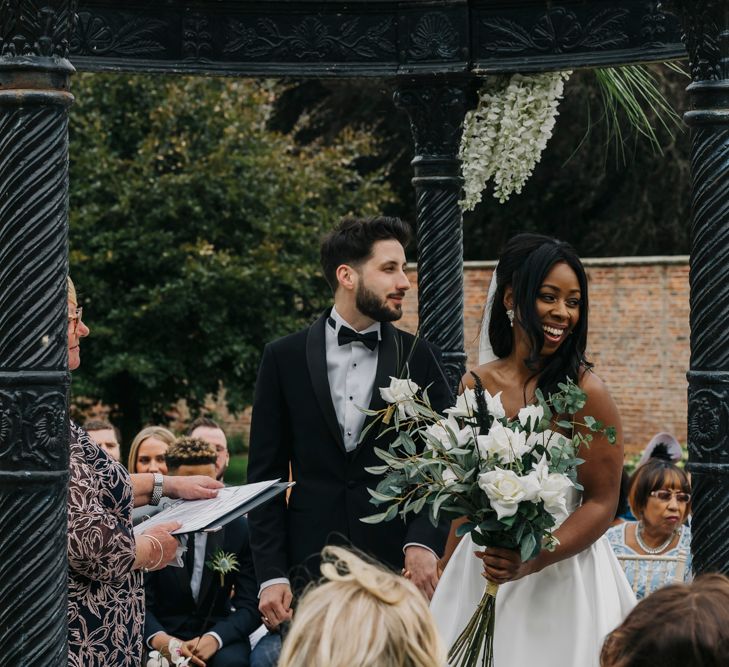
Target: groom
{"points": [[306, 418]]}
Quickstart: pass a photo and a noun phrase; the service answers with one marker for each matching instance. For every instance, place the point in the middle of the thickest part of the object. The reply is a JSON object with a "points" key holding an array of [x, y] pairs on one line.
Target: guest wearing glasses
{"points": [[105, 558], [656, 549]]}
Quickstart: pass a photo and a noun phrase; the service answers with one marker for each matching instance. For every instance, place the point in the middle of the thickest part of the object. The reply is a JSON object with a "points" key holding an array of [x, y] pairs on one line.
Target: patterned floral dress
{"points": [[105, 596]]}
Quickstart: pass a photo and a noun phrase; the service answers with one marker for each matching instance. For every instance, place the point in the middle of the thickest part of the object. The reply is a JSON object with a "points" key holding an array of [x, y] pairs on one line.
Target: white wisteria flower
{"points": [[503, 443], [448, 433], [504, 137], [505, 489], [401, 392], [533, 412]]}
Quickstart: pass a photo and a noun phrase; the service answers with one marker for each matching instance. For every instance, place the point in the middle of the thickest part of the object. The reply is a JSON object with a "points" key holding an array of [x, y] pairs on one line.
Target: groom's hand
{"points": [[421, 564], [275, 605]]}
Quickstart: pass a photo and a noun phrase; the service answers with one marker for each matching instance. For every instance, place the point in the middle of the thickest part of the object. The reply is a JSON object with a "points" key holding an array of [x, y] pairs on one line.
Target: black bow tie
{"points": [[347, 335]]}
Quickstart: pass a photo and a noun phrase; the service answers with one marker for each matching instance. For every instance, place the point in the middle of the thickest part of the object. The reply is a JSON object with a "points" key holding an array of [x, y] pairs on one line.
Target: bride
{"points": [[555, 609]]}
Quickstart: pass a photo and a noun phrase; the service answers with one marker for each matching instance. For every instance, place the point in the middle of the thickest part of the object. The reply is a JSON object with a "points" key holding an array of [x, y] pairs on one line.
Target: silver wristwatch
{"points": [[157, 489]]}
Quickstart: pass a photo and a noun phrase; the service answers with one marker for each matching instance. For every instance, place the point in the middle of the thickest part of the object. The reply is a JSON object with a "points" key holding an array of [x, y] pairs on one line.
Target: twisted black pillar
{"points": [[34, 99], [436, 112], [706, 35]]}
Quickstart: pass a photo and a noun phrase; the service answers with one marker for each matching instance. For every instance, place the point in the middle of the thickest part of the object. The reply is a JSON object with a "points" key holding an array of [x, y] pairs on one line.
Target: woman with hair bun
{"points": [[555, 609], [363, 615]]}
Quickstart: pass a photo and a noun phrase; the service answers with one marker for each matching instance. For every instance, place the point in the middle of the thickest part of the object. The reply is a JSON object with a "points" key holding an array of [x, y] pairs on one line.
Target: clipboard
{"points": [[212, 514]]}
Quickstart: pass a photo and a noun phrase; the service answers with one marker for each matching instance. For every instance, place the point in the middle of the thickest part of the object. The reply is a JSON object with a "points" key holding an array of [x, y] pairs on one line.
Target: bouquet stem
{"points": [[477, 638]]}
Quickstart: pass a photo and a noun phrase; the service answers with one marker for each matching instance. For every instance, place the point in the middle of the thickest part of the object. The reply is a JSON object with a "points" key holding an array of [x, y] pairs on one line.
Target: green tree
{"points": [[194, 234]]}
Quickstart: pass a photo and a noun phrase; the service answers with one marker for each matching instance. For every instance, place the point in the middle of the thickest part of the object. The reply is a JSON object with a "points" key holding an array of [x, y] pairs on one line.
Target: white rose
{"points": [[502, 442], [402, 393], [449, 434], [505, 489], [553, 489], [465, 405], [535, 412]]}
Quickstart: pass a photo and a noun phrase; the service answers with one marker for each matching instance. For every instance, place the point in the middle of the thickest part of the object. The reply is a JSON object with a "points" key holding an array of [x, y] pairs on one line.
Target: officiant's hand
{"points": [[275, 605], [502, 565], [194, 487], [421, 567]]}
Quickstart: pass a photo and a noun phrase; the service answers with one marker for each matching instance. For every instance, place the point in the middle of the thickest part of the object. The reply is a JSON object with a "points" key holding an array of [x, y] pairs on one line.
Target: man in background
{"points": [[210, 431], [106, 435], [189, 603]]}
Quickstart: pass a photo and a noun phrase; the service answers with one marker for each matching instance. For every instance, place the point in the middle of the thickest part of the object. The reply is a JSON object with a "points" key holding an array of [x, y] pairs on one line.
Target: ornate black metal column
{"points": [[436, 110], [706, 35], [34, 100]]}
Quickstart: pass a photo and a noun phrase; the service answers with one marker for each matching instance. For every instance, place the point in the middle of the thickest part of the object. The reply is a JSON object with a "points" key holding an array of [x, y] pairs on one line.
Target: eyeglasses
{"points": [[664, 495], [76, 318]]}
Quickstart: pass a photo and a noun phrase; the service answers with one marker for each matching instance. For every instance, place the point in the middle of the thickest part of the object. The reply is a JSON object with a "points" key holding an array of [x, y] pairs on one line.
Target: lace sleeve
{"points": [[101, 544]]}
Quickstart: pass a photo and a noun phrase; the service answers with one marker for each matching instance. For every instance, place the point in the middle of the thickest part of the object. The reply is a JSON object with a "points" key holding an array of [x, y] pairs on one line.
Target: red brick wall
{"points": [[638, 340]]}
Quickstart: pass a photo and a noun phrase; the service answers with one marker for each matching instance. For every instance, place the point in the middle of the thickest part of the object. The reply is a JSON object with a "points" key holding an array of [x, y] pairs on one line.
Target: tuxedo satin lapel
{"points": [[316, 360], [387, 365], [214, 542]]}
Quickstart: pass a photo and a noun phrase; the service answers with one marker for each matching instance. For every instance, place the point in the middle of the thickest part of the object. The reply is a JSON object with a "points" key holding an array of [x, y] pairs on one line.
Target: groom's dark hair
{"points": [[351, 241]]}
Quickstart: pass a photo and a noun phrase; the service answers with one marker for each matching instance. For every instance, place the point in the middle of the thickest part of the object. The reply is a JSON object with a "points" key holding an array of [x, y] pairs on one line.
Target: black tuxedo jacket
{"points": [[294, 423], [171, 608]]}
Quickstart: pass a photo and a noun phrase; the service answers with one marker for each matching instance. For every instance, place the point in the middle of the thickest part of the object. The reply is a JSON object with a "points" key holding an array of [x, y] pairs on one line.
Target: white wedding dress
{"points": [[558, 617]]}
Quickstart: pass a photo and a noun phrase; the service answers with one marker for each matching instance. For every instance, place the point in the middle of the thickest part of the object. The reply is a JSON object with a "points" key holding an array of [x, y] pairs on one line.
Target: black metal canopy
{"points": [[374, 38], [435, 51]]}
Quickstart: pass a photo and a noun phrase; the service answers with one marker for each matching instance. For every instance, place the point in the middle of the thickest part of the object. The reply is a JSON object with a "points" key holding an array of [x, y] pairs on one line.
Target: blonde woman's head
{"points": [[361, 615], [149, 450]]}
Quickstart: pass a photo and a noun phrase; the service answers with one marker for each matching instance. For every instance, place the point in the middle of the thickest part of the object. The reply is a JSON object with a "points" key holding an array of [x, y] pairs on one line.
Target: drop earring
{"points": [[510, 315]]}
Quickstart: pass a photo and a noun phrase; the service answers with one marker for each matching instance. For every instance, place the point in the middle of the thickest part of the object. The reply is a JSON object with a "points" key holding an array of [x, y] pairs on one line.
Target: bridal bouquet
{"points": [[509, 478]]}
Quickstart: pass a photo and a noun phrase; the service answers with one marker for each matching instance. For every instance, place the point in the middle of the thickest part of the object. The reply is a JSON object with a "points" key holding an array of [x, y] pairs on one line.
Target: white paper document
{"points": [[197, 515]]}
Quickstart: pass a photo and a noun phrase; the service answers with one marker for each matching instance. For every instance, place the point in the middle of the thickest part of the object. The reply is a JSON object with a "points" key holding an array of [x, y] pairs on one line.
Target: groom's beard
{"points": [[369, 304]]}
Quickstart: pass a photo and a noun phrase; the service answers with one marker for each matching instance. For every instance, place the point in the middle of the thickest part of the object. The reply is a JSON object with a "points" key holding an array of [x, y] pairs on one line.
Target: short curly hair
{"points": [[190, 451]]}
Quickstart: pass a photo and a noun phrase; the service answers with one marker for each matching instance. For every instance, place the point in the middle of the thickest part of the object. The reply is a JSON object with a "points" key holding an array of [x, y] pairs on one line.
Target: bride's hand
{"points": [[502, 565]]}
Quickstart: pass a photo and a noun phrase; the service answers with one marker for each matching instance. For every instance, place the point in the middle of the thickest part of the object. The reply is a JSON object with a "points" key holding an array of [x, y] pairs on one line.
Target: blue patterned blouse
{"points": [[650, 574]]}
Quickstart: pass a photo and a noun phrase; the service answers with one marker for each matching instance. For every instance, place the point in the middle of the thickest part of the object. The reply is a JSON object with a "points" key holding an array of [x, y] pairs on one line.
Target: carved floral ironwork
{"points": [[197, 37], [707, 421], [557, 31], [311, 38], [34, 29], [33, 427], [434, 37], [706, 36], [129, 36]]}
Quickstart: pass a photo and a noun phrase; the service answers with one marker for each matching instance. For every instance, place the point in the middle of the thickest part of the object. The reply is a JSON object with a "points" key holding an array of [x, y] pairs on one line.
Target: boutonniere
{"points": [[223, 563]]}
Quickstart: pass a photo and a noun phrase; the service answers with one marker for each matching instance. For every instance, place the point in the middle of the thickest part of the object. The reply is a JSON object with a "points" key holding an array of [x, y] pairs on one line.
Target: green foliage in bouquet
{"points": [[509, 478]]}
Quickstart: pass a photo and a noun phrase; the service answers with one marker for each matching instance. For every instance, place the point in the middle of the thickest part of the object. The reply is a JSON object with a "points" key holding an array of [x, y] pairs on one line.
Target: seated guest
{"points": [[189, 603], [106, 435], [149, 448], [684, 625], [208, 430], [362, 615], [660, 498]]}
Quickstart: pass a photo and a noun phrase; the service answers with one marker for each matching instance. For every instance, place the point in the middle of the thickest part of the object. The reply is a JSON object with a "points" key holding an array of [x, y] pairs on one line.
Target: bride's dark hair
{"points": [[524, 263]]}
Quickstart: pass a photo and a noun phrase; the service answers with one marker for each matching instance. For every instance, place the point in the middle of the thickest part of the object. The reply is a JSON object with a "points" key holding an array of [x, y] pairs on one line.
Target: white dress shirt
{"points": [[351, 370]]}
